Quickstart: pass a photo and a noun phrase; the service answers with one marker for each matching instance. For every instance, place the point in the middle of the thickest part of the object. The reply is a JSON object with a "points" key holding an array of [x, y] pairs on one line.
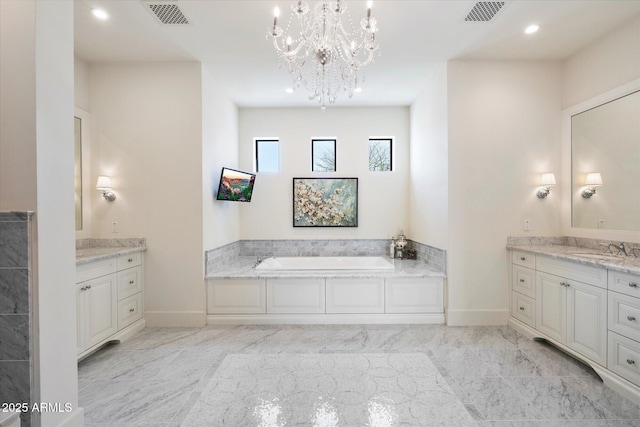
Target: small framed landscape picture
{"points": [[325, 202]]}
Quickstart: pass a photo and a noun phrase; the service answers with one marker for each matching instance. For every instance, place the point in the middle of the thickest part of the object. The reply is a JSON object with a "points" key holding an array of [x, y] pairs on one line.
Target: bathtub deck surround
{"points": [[241, 290], [583, 298]]}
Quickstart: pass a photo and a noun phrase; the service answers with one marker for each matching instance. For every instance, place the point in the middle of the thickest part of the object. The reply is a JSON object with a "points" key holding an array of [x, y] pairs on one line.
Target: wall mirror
{"points": [[605, 139], [81, 174], [77, 170]]}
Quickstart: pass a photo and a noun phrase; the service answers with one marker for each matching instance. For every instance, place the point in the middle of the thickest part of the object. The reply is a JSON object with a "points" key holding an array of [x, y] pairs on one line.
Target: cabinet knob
{"points": [[521, 280], [631, 361], [131, 282], [521, 308], [522, 258], [88, 286], [130, 260], [131, 310], [631, 318], [633, 285]]}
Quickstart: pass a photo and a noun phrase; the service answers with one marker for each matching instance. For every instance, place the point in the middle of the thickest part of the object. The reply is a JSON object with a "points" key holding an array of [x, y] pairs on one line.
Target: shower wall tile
{"points": [[14, 251], [14, 339], [14, 291]]}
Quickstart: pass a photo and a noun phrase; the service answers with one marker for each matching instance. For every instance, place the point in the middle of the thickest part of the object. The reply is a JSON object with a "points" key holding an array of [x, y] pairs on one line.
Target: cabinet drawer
{"points": [[355, 295], [524, 280], [95, 269], [625, 283], [524, 259], [295, 295], [523, 308], [595, 276], [129, 310], [129, 260], [624, 315], [624, 357], [129, 282]]}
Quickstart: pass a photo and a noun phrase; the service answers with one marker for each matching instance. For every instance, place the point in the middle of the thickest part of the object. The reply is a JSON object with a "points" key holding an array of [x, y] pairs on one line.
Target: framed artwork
{"points": [[323, 155], [325, 202]]}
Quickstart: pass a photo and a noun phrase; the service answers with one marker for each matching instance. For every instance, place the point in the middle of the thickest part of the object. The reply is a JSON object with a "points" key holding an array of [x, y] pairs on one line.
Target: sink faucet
{"points": [[633, 250]]}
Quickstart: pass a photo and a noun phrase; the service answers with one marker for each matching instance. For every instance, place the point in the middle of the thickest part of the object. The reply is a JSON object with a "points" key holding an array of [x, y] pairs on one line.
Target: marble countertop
{"points": [[587, 256], [86, 255], [244, 268]]}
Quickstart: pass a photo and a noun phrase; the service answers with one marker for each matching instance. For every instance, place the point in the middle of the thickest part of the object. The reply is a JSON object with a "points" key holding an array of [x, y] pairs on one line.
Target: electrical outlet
{"points": [[114, 227], [526, 225]]}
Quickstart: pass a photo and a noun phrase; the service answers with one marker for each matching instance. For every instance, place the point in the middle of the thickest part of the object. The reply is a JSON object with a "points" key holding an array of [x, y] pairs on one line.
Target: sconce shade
{"points": [[548, 179], [104, 183], [593, 179]]}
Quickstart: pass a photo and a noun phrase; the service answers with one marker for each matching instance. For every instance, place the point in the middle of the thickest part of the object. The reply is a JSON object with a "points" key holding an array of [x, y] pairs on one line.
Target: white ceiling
{"points": [[229, 37]]}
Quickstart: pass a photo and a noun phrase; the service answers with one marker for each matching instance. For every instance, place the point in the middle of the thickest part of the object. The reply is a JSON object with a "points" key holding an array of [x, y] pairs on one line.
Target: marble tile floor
{"points": [[343, 375]]}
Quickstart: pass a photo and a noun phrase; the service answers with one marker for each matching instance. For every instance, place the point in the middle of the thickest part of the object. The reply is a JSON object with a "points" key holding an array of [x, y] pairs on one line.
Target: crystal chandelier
{"points": [[323, 50]]}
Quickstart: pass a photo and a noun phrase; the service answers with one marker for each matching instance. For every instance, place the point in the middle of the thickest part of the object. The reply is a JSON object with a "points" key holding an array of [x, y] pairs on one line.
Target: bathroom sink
{"points": [[601, 257]]}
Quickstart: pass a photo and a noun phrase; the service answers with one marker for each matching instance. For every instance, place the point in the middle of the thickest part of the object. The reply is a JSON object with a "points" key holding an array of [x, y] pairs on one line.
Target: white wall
{"points": [[147, 135], [603, 65], [221, 222], [36, 146], [81, 83], [382, 201], [429, 187], [504, 131]]}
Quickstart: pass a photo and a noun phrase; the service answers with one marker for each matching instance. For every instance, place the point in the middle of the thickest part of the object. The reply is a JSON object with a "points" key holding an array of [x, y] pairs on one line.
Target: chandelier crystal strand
{"points": [[323, 53]]}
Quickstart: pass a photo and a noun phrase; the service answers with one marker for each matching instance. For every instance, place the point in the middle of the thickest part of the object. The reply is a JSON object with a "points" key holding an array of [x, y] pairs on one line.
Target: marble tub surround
{"points": [[457, 376], [88, 250], [16, 334], [220, 258], [583, 251]]}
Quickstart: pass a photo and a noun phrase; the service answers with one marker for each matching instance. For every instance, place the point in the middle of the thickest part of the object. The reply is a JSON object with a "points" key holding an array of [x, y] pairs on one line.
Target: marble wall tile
{"points": [[129, 242], [14, 291], [14, 245], [14, 381], [14, 340]]}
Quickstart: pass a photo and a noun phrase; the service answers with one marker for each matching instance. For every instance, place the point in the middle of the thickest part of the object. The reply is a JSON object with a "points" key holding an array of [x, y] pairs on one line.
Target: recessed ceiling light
{"points": [[533, 28], [289, 90], [358, 89], [100, 14]]}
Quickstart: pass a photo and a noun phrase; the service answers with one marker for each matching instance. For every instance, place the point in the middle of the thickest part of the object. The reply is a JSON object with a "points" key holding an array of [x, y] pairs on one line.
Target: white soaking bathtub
{"points": [[325, 263]]}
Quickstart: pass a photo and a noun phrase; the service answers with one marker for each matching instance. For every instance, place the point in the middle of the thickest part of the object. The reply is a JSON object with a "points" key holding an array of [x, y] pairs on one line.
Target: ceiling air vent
{"points": [[484, 11], [167, 13]]}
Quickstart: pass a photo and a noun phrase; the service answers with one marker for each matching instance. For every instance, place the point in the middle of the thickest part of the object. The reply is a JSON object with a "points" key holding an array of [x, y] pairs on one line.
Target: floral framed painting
{"points": [[325, 202]]}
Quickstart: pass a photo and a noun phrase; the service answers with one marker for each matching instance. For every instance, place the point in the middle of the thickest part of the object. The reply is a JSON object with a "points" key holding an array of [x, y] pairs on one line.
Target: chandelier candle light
{"points": [[323, 50]]}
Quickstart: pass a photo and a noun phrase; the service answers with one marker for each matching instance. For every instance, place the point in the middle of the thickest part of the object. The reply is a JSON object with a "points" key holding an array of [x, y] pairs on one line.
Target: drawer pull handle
{"points": [[633, 285], [631, 361], [522, 308], [131, 310], [130, 260], [521, 280], [131, 282], [522, 258], [631, 318]]}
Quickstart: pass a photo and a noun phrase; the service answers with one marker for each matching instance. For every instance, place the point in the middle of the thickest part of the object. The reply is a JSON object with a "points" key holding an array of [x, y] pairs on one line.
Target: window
{"points": [[380, 154], [323, 155], [267, 155]]}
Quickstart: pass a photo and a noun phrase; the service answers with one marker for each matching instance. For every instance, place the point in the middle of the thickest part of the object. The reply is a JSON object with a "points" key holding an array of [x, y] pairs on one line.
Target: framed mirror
{"points": [[82, 162], [602, 165]]}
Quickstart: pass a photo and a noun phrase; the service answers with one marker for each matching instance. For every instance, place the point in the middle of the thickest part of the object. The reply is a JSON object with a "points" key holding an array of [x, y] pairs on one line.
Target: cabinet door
{"points": [[80, 321], [551, 297], [100, 309], [587, 320]]}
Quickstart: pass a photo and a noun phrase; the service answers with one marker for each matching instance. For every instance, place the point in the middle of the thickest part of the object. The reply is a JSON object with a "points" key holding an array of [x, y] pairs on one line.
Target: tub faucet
{"points": [[258, 261]]}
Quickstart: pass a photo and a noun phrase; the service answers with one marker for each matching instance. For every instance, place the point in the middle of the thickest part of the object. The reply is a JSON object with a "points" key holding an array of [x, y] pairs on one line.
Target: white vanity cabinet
{"points": [[109, 299], [624, 325], [571, 311]]}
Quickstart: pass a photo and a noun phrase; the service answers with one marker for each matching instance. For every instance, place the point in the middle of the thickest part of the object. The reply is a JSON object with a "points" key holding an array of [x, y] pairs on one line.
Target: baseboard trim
{"points": [[324, 319], [176, 318], [611, 380], [477, 317]]}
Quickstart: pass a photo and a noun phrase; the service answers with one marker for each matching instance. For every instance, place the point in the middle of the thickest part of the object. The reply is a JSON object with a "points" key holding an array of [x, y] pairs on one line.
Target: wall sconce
{"points": [[593, 181], [104, 185], [547, 180]]}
